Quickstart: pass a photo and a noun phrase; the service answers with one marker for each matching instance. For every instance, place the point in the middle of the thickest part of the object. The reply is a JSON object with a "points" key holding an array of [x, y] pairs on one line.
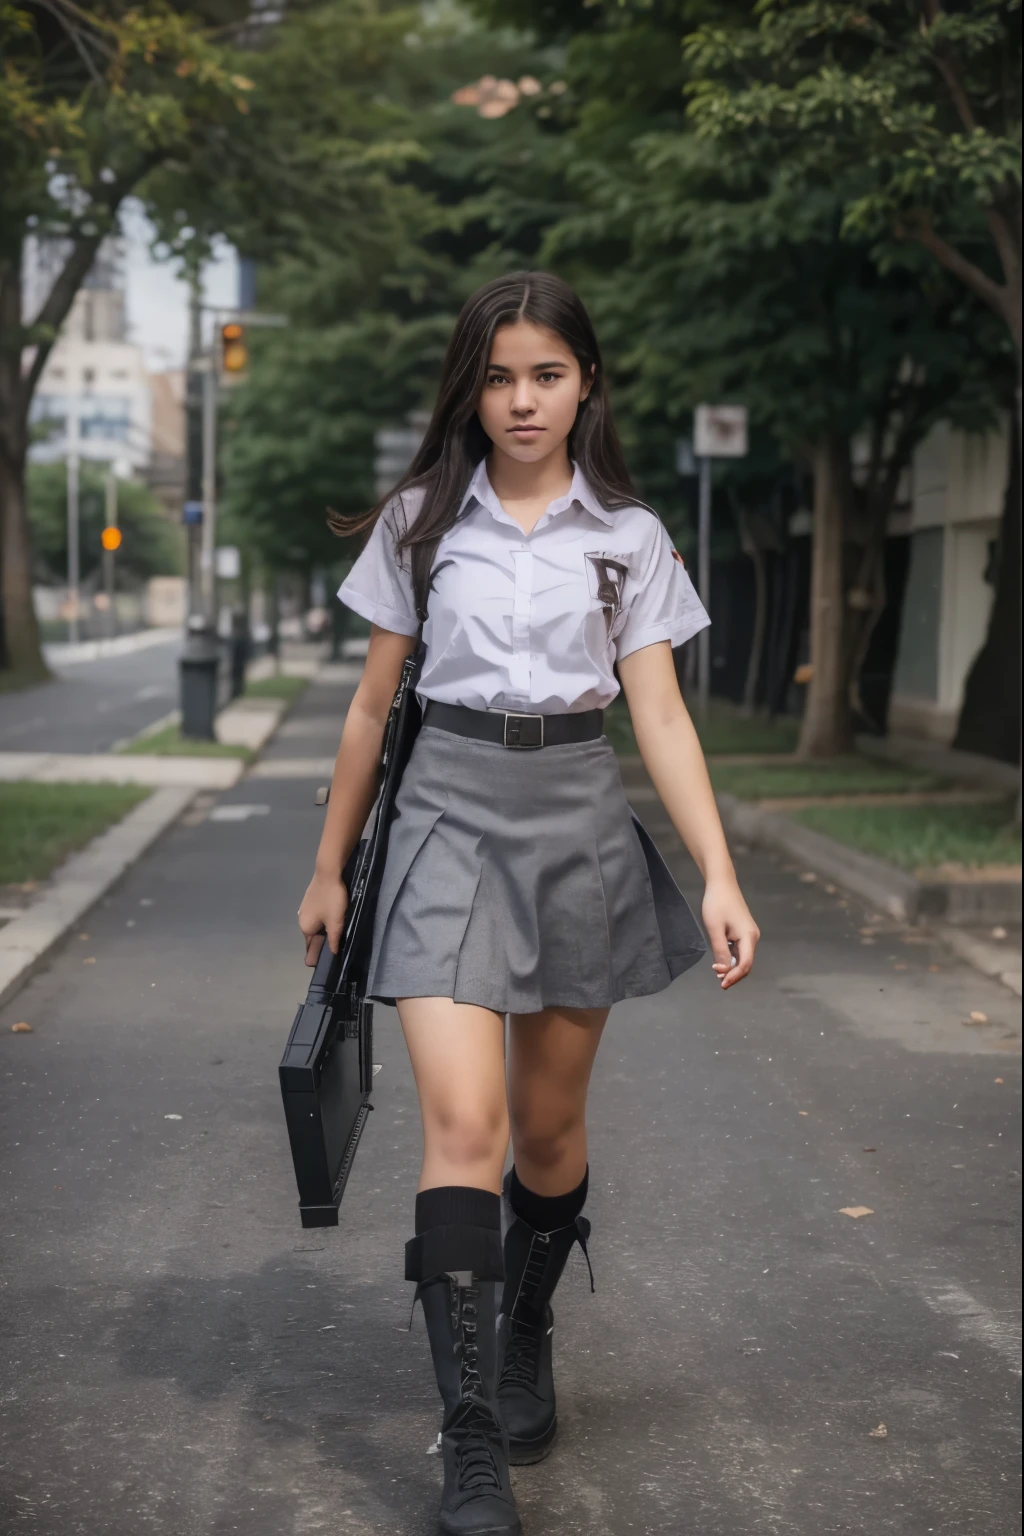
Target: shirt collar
{"points": [[481, 490]]}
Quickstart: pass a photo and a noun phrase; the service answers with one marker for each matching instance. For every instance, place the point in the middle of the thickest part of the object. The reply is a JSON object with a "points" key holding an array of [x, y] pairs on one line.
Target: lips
{"points": [[525, 431]]}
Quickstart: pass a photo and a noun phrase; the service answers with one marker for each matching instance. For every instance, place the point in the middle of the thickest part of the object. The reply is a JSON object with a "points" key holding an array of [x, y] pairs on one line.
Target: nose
{"points": [[522, 398]]}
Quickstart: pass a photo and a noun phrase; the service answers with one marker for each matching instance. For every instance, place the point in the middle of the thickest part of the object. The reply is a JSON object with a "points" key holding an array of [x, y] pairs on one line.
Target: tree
{"points": [[369, 328], [916, 105], [218, 121], [716, 272], [151, 547]]}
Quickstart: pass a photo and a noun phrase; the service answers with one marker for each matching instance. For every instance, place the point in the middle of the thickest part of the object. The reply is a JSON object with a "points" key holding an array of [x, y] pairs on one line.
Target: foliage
{"points": [[222, 120], [151, 546], [914, 107], [368, 329]]}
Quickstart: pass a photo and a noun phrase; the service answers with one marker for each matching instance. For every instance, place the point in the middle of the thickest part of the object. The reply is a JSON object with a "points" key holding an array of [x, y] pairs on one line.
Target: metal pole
{"points": [[704, 585], [73, 561], [209, 587], [109, 555]]}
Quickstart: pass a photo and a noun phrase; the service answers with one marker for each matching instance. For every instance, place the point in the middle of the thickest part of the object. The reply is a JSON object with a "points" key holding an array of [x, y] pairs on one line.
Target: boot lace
{"points": [[522, 1353], [473, 1427]]}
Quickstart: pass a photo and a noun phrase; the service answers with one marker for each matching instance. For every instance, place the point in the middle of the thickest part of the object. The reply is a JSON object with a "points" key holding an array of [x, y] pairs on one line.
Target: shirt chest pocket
{"points": [[610, 576]]}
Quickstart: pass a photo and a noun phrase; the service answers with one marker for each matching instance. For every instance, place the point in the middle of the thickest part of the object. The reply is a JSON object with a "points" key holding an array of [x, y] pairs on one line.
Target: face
{"points": [[532, 392]]}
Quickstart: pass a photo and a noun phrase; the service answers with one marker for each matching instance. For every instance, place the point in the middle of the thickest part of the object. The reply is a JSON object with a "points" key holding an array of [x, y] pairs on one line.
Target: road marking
{"points": [[292, 768], [237, 812], [977, 1322]]}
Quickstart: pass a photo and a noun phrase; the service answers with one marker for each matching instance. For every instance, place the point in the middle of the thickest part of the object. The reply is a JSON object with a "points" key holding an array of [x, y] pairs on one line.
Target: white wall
{"points": [[956, 494]]}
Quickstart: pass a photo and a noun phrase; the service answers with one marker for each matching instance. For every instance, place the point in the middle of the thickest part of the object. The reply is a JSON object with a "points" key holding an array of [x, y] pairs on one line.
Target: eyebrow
{"points": [[503, 367]]}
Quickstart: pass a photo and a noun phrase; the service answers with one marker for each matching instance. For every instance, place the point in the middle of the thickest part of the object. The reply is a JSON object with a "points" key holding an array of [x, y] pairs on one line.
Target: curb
{"points": [[886, 888], [82, 880], [62, 653], [987, 958], [121, 768]]}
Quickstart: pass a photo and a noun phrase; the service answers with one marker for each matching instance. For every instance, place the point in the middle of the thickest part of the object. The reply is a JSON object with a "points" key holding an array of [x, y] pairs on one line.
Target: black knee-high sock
{"points": [[546, 1213], [457, 1228]]}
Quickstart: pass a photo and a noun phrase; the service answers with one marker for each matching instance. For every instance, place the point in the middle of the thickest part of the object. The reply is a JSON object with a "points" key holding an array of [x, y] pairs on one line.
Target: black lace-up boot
{"points": [[534, 1261], [455, 1259], [477, 1494]]}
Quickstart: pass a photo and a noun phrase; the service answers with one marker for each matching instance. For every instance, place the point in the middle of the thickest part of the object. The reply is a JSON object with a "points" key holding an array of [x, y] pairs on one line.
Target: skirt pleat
{"points": [[518, 881]]}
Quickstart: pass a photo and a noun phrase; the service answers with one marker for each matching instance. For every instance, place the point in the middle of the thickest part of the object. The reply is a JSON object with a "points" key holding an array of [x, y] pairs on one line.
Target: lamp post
{"points": [[719, 432], [73, 519]]}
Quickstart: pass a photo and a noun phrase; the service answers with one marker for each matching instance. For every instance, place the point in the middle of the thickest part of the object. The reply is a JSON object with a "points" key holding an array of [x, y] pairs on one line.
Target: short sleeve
{"points": [[664, 605], [377, 587]]}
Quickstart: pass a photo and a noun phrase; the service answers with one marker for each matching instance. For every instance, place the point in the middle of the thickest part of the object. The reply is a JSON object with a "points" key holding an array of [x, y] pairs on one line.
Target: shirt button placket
{"points": [[519, 666]]}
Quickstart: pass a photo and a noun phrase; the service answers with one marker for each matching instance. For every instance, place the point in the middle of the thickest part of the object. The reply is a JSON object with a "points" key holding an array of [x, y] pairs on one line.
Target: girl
{"points": [[517, 882]]}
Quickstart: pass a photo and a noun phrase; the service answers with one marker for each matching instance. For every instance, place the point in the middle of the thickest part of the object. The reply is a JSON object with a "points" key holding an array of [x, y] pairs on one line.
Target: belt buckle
{"points": [[512, 735]]}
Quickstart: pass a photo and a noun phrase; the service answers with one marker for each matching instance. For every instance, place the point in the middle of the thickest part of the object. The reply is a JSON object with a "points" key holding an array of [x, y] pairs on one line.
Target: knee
{"points": [[545, 1141], [468, 1135]]}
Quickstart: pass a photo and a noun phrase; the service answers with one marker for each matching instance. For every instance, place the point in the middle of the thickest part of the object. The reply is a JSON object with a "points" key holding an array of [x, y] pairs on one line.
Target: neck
{"points": [[514, 481]]}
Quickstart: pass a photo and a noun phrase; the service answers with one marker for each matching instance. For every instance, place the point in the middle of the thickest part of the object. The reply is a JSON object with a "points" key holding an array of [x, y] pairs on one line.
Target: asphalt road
{"points": [[181, 1359], [90, 705]]}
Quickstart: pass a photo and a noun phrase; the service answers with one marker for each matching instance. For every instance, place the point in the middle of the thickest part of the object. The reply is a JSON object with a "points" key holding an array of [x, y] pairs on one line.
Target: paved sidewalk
{"points": [[181, 1359]]}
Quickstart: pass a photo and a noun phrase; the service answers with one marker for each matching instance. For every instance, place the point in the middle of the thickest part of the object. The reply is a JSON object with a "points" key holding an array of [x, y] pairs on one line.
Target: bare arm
{"points": [[353, 789], [672, 756]]}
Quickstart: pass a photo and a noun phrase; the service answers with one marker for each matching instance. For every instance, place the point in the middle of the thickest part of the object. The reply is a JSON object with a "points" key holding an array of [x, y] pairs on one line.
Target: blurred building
{"points": [[165, 474], [957, 485], [94, 376]]}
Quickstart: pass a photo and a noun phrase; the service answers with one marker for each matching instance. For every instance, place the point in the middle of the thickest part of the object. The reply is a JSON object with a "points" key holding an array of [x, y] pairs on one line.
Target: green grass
{"points": [[843, 776], [726, 731], [281, 687], [169, 742], [723, 733], [918, 836], [40, 824]]}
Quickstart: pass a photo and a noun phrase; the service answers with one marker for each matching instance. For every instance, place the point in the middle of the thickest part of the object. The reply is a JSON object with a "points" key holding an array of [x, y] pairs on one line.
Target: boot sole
{"points": [[526, 1453], [480, 1530]]}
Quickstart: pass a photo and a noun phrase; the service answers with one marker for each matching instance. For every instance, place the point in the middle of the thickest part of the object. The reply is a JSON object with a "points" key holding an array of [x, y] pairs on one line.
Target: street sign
{"points": [[192, 512], [228, 562], [720, 431]]}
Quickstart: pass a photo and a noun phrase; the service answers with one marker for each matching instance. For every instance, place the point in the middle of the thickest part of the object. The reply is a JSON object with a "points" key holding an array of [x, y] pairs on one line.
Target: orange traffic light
{"points": [[234, 354], [110, 538]]}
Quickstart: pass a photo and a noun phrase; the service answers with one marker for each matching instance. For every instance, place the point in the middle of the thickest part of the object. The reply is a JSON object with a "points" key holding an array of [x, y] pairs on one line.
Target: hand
{"points": [[731, 930], [322, 915]]}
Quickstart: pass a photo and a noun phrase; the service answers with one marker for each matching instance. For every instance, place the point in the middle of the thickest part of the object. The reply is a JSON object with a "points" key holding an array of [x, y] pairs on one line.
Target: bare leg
{"points": [[458, 1059], [550, 1060]]}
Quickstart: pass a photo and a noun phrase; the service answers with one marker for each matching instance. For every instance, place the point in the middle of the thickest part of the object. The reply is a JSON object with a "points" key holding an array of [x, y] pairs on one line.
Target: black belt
{"points": [[512, 730]]}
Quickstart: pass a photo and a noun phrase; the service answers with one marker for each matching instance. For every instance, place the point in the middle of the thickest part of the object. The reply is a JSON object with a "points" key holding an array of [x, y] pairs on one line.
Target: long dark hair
{"points": [[455, 442]]}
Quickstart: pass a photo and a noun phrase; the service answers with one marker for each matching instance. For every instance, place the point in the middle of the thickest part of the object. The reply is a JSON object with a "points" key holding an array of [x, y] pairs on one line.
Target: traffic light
{"points": [[234, 352], [110, 538]]}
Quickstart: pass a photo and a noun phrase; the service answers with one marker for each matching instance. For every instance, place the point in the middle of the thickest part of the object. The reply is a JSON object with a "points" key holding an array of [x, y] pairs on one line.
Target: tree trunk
{"points": [[827, 728], [990, 717], [755, 554], [22, 654], [21, 658]]}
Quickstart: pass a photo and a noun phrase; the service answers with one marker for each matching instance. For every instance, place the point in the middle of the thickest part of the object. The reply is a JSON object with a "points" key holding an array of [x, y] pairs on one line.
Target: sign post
{"points": [[719, 432]]}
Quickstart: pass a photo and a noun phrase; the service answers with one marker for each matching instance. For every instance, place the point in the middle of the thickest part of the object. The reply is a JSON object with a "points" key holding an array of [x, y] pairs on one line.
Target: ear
{"points": [[587, 383]]}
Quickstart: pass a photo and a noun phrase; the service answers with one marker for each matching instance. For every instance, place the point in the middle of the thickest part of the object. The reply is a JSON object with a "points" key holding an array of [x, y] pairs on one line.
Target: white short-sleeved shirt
{"points": [[531, 622]]}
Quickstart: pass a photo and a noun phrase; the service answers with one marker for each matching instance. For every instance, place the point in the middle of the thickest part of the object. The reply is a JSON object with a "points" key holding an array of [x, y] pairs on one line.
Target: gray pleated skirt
{"points": [[520, 880]]}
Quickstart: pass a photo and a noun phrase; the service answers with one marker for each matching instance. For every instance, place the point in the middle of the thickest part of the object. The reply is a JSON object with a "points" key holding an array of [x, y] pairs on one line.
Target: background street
{"points": [[181, 1359], [93, 704]]}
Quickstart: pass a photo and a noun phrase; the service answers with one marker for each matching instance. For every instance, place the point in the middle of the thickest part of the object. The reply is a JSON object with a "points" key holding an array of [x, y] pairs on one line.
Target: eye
{"points": [[497, 378], [548, 378]]}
